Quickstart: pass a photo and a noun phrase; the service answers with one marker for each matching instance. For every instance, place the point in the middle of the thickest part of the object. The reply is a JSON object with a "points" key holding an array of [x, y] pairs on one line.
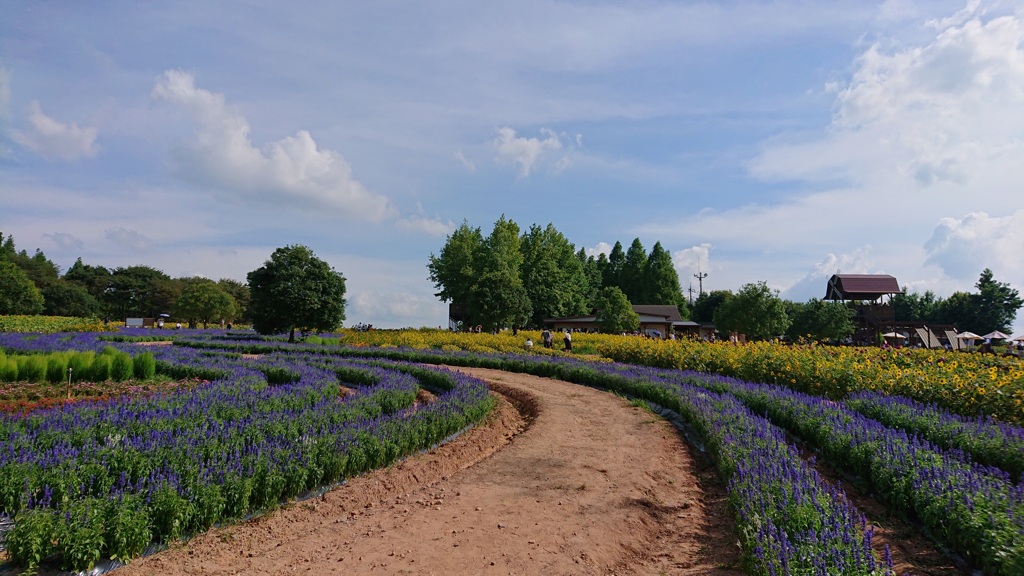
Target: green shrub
{"points": [[127, 528], [56, 368], [100, 371], [145, 366], [9, 370], [30, 540], [80, 364], [121, 367], [32, 368]]}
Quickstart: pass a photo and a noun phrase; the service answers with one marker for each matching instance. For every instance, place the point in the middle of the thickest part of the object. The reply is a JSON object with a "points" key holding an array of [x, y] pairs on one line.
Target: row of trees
{"points": [[758, 312], [513, 280], [993, 307], [34, 285], [294, 290]]}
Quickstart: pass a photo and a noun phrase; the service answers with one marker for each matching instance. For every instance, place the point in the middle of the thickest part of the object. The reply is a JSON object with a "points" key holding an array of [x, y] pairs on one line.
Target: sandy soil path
{"points": [[562, 479]]}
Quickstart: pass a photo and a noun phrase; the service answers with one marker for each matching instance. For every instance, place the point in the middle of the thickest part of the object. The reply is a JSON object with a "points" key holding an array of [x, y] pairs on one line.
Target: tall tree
{"points": [[63, 298], [705, 306], [820, 320], [95, 279], [958, 310], [612, 274], [296, 290], [457, 268], [40, 270], [240, 292], [18, 294], [914, 307], [592, 272], [552, 275], [631, 278], [996, 304], [137, 291], [499, 298], [756, 310], [615, 314], [661, 281], [205, 301]]}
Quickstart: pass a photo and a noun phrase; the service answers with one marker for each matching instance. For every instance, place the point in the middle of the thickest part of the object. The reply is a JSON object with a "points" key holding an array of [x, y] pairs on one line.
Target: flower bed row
{"points": [[974, 510], [104, 479], [985, 439], [963, 383]]}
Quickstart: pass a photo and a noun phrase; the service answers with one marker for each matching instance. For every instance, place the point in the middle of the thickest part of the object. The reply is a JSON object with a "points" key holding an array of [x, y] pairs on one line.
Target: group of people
{"points": [[548, 340]]}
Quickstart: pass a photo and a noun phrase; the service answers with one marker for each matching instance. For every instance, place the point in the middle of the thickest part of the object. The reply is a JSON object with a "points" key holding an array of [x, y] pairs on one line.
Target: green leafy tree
{"points": [[612, 274], [240, 292], [706, 304], [552, 275], [94, 279], [915, 307], [137, 291], [499, 298], [996, 305], [631, 278], [756, 310], [457, 268], [37, 267], [661, 281], [592, 273], [958, 310], [63, 298], [296, 290], [820, 320], [205, 301], [615, 314], [18, 294]]}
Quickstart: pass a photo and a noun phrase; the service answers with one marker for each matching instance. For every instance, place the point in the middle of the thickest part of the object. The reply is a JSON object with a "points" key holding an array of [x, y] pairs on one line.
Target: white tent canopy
{"points": [[969, 336], [996, 335]]}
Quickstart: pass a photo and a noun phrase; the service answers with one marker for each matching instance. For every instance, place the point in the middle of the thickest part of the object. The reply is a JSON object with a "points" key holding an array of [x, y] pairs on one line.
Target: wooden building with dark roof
{"points": [[864, 293]]}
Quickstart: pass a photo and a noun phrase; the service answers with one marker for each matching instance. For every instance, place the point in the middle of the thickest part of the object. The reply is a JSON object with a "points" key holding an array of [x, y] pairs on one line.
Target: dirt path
{"points": [[570, 480]]}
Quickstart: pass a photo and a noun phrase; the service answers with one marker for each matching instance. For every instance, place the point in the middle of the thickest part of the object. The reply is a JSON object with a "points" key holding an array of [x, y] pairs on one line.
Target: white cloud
{"points": [[292, 169], [528, 152], [395, 306], [601, 248], [694, 257], [468, 164], [54, 140], [813, 284], [125, 238], [963, 248], [430, 226], [65, 241]]}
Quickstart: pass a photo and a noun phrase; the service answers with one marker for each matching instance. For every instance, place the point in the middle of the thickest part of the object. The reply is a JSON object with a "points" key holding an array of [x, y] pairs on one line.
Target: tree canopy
{"points": [[993, 307], [295, 290], [820, 320], [205, 301], [18, 294], [615, 315], [756, 310]]}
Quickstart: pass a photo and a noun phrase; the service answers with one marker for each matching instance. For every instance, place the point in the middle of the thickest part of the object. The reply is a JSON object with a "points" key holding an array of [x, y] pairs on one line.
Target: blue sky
{"points": [[761, 141]]}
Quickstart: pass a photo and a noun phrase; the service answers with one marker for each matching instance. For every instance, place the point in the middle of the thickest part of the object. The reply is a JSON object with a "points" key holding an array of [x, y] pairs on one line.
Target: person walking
{"points": [[568, 341], [546, 336]]}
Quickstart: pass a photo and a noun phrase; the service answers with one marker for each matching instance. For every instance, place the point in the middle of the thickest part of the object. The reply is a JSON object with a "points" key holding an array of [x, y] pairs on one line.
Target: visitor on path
{"points": [[529, 344], [568, 341], [546, 336]]}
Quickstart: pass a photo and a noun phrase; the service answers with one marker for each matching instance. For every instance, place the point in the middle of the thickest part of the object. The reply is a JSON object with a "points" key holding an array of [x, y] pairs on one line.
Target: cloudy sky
{"points": [[780, 141]]}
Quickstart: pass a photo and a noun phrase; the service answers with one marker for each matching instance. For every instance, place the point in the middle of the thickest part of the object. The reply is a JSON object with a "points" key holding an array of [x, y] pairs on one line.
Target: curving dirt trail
{"points": [[562, 479]]}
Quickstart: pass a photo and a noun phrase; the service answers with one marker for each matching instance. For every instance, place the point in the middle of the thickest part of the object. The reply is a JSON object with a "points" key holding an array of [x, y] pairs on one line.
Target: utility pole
{"points": [[690, 290], [700, 276]]}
